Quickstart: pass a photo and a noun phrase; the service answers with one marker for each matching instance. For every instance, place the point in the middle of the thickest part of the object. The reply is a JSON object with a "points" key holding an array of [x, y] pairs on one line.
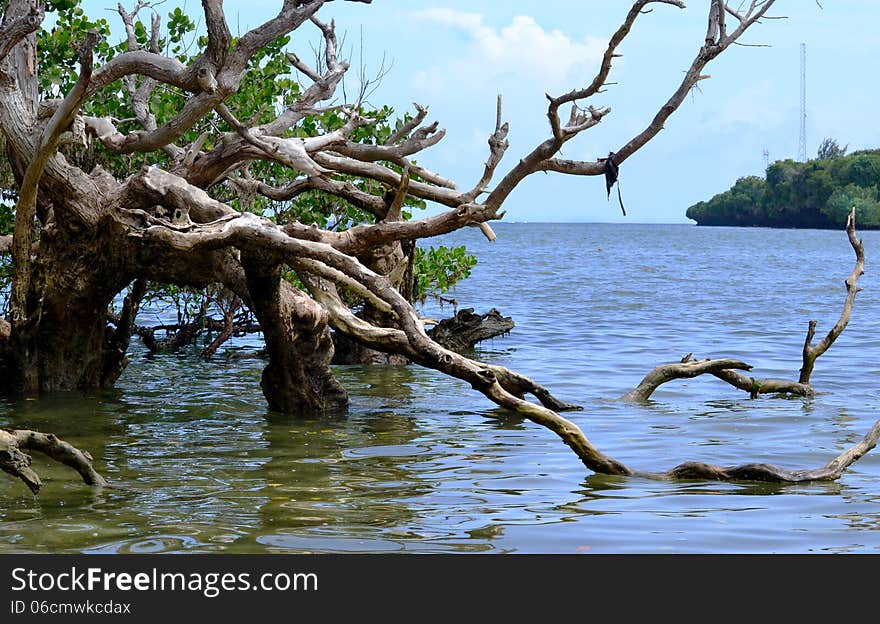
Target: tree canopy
{"points": [[815, 194]]}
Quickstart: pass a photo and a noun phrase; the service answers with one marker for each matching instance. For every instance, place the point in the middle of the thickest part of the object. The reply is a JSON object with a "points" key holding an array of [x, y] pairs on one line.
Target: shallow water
{"points": [[422, 463]]}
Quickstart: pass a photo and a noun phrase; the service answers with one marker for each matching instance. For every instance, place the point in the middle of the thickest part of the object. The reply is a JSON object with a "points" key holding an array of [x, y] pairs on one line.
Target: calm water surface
{"points": [[424, 464]]}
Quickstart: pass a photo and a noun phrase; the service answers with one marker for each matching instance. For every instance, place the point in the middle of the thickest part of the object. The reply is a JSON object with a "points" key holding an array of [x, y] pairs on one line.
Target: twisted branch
{"points": [[726, 370], [14, 461], [811, 353], [686, 369]]}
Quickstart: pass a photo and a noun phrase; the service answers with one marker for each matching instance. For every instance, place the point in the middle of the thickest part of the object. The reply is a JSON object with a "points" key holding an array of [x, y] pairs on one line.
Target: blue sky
{"points": [[455, 56]]}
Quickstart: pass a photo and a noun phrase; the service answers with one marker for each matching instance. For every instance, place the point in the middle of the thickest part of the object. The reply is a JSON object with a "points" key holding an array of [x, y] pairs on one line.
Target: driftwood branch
{"points": [[16, 462], [811, 353], [755, 386], [727, 370], [765, 472], [724, 369], [462, 331], [681, 370]]}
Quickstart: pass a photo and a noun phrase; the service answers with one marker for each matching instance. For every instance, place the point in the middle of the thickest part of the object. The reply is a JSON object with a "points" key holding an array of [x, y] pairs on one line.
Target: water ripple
{"points": [[423, 464]]}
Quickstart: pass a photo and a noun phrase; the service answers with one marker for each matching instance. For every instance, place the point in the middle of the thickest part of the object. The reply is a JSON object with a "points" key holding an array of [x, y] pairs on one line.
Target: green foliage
{"points": [[816, 194], [183, 301], [266, 90], [863, 199], [8, 192], [56, 48], [437, 269], [735, 206], [7, 218], [863, 169]]}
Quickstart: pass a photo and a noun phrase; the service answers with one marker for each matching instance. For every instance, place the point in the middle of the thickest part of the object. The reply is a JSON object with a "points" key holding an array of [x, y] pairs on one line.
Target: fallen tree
{"points": [[185, 214]]}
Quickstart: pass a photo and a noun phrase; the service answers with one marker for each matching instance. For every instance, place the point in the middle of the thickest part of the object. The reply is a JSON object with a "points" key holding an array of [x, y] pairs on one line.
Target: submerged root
{"points": [[16, 462], [765, 472]]}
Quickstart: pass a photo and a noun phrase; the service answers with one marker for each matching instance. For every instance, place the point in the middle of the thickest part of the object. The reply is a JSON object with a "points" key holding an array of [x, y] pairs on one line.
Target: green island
{"points": [[818, 193]]}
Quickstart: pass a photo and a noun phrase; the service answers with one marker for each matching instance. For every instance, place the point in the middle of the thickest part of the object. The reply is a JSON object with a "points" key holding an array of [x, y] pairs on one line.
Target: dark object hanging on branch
{"points": [[611, 172]]}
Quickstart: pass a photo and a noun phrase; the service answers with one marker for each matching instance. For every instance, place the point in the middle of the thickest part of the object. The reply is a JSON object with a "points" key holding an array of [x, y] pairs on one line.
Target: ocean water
{"points": [[422, 463]]}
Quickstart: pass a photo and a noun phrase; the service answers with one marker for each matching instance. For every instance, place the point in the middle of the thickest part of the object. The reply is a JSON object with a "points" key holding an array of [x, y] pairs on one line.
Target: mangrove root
{"points": [[16, 462]]}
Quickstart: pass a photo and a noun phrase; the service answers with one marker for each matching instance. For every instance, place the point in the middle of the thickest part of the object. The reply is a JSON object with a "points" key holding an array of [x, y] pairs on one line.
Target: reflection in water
{"points": [[353, 473], [423, 464]]}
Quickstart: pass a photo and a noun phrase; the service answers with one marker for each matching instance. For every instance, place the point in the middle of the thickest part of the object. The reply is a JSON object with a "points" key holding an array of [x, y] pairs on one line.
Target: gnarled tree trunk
{"points": [[68, 333], [297, 379]]}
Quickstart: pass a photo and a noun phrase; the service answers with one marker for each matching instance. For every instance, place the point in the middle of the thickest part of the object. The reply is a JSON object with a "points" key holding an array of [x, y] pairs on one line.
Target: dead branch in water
{"points": [[727, 369], [16, 462]]}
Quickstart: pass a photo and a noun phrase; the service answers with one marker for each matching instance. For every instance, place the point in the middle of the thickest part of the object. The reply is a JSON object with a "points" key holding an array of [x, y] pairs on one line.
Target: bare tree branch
{"points": [[15, 462], [140, 95], [408, 126], [256, 235], [293, 13], [811, 353], [498, 145], [373, 204], [726, 370], [765, 472], [693, 75], [219, 37], [684, 370]]}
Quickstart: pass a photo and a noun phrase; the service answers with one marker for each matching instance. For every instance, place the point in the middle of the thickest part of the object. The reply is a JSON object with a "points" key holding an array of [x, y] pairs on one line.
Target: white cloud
{"points": [[548, 60]]}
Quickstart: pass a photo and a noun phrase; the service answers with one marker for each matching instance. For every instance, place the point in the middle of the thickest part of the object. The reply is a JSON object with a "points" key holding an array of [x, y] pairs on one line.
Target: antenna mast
{"points": [[802, 144]]}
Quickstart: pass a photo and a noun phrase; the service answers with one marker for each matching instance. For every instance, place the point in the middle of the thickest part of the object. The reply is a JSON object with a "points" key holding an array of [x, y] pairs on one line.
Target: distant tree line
{"points": [[816, 194]]}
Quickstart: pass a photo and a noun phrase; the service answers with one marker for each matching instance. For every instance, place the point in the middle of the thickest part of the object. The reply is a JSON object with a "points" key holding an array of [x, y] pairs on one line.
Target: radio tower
{"points": [[802, 145], [766, 159]]}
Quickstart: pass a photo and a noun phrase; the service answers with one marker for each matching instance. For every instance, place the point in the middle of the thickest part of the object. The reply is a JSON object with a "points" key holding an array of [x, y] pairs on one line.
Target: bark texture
{"points": [[297, 379], [462, 331]]}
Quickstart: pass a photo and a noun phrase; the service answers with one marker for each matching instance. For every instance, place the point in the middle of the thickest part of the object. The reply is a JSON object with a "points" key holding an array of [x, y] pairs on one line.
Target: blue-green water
{"points": [[422, 463]]}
